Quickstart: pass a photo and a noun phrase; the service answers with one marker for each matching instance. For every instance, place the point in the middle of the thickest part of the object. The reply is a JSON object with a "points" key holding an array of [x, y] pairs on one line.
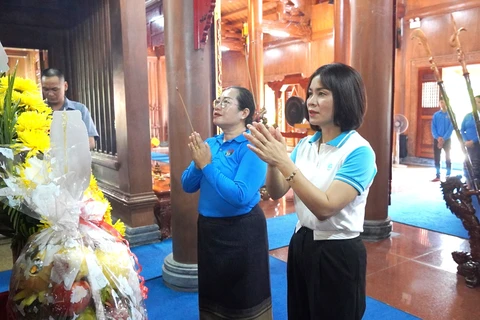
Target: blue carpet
{"points": [[5, 280], [427, 211], [161, 157], [280, 229], [181, 305], [184, 306], [151, 257], [377, 310]]}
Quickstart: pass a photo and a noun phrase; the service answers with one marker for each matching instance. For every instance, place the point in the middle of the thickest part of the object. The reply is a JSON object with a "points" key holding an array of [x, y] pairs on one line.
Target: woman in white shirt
{"points": [[330, 173]]}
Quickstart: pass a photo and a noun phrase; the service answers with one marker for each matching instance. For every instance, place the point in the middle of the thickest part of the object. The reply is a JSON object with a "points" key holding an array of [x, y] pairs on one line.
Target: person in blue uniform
{"points": [[233, 263], [442, 129], [470, 138]]}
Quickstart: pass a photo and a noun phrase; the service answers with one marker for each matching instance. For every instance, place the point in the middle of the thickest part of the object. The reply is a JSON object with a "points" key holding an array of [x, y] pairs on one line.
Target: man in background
{"points": [[53, 88], [470, 138], [442, 129]]}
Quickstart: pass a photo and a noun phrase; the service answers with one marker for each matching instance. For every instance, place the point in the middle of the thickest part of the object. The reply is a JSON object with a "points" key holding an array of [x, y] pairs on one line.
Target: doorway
{"points": [[455, 86], [29, 62]]}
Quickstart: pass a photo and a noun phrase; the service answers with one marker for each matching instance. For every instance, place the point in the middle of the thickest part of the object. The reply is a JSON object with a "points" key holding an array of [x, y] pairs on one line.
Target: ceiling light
{"points": [[224, 48], [278, 33], [273, 53]]}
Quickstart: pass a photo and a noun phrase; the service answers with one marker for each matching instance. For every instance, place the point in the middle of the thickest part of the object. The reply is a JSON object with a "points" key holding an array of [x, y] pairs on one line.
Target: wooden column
{"points": [[255, 51], [365, 30], [129, 174], [190, 71]]}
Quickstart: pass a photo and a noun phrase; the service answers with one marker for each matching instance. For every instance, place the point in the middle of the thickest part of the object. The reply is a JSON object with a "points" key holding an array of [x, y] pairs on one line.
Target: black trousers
{"points": [[326, 278], [474, 154], [437, 152]]}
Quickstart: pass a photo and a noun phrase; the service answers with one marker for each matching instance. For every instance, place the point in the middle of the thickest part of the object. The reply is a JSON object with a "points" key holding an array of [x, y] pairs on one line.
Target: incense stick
{"points": [[185, 108]]}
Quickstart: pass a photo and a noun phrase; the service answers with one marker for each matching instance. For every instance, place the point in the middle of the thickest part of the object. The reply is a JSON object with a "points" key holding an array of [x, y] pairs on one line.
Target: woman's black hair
{"points": [[245, 101], [348, 91]]}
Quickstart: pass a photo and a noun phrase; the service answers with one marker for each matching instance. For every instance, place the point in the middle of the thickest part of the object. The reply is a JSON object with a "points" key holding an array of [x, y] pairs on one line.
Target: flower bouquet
{"points": [[24, 127], [77, 266]]}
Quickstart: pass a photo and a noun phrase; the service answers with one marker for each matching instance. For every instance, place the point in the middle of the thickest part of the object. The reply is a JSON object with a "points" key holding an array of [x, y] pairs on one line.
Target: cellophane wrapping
{"points": [[78, 267]]}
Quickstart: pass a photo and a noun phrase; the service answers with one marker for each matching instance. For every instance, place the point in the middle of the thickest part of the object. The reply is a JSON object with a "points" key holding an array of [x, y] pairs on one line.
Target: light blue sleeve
{"points": [[358, 169], [250, 177]]}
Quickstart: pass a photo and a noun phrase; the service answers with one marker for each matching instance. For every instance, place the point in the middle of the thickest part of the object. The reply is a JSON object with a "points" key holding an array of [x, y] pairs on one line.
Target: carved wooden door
{"points": [[428, 96]]}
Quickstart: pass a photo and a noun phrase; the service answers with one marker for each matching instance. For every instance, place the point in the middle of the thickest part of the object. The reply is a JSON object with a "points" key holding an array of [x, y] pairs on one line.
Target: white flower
{"points": [[37, 171]]}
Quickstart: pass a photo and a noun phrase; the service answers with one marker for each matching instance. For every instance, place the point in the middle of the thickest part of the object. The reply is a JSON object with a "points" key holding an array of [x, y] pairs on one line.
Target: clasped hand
{"points": [[268, 144], [200, 150]]}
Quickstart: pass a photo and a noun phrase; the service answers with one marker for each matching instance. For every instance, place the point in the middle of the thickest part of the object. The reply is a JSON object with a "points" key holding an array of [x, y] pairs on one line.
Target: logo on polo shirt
{"points": [[330, 166], [229, 152]]}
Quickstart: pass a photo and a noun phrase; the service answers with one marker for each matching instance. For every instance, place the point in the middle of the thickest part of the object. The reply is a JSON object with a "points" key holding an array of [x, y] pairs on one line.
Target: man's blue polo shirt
{"points": [[86, 117]]}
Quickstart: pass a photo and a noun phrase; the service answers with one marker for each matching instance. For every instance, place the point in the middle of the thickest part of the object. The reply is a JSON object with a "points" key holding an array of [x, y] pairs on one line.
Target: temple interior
{"points": [[148, 71]]}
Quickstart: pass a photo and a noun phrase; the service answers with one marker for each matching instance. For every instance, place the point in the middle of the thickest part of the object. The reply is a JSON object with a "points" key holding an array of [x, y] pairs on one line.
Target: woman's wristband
{"points": [[291, 176]]}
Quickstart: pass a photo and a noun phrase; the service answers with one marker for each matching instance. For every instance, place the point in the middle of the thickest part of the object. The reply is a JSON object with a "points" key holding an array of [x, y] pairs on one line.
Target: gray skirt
{"points": [[233, 267]]}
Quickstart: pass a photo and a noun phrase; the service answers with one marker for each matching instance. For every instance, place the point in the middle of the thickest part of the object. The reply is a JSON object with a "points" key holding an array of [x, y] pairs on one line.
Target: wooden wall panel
{"points": [[90, 71], [294, 58], [321, 52], [322, 17], [234, 70], [282, 61], [298, 58], [428, 8]]}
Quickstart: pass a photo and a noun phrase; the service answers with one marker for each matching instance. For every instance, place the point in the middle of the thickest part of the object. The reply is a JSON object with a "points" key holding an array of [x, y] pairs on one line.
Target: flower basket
{"points": [[75, 264]]}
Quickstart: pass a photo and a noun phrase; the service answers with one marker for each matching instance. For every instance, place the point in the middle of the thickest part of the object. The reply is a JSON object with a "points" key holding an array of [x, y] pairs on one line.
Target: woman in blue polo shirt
{"points": [[330, 173], [233, 267]]}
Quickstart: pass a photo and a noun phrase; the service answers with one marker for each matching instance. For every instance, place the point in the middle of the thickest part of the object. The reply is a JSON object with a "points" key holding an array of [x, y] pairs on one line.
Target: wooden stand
{"points": [[459, 200], [161, 188]]}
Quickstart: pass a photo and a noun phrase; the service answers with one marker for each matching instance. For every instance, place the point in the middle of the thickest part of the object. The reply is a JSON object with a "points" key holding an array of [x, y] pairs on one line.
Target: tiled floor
{"points": [[413, 270]]}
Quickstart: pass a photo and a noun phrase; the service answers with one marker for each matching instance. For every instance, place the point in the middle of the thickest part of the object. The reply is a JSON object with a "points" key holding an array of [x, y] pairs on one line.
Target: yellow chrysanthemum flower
{"points": [[94, 192], [37, 140], [42, 108], [30, 101], [33, 121], [3, 85], [25, 85], [16, 96]]}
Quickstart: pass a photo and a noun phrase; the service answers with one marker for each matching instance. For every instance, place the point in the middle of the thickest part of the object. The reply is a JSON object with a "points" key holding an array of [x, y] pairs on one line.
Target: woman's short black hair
{"points": [[245, 101], [348, 91]]}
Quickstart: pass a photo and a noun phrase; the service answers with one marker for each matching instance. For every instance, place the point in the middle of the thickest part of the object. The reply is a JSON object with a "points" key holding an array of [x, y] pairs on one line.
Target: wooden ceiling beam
{"points": [[233, 44], [239, 23], [293, 29]]}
